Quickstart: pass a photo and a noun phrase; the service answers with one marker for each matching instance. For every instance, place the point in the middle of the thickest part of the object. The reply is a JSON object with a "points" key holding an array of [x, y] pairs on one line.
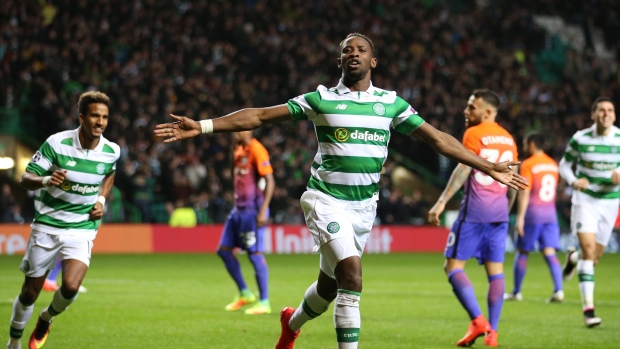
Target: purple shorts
{"points": [[484, 241], [240, 231], [546, 234]]}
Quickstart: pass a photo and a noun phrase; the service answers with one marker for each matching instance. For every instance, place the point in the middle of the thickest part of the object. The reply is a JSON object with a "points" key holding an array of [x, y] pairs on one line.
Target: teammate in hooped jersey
{"points": [[72, 173], [482, 225], [536, 220], [341, 197], [595, 154]]}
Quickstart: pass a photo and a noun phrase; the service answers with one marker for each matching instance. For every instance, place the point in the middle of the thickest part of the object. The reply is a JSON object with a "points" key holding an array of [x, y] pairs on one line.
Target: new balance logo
{"points": [[71, 163], [341, 106]]}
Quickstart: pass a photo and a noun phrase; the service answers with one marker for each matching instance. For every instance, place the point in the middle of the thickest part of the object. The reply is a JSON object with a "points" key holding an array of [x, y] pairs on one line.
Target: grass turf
{"points": [[177, 301]]}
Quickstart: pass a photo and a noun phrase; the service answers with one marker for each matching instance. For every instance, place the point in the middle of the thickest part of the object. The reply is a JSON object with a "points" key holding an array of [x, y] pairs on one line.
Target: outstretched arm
{"points": [[458, 177], [241, 120], [452, 148]]}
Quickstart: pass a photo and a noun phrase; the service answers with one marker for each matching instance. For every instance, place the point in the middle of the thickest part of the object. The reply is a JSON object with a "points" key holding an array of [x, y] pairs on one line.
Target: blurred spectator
{"points": [[10, 211], [417, 208], [114, 210], [183, 215], [195, 172], [201, 206], [394, 210], [143, 185]]}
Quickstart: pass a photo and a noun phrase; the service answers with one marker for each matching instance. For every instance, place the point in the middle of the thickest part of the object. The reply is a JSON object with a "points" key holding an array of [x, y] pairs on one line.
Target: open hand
{"points": [[503, 173], [181, 128]]}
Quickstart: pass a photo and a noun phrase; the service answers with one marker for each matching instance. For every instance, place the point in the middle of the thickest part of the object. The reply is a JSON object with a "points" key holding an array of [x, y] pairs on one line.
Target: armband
{"points": [[206, 126]]}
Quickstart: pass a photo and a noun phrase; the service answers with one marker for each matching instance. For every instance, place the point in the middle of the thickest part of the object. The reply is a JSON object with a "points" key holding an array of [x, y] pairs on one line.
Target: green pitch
{"points": [[177, 301]]}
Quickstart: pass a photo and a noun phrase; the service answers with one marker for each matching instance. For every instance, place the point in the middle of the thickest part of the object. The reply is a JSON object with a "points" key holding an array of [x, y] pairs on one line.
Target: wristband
{"points": [[46, 181], [206, 126], [101, 199]]}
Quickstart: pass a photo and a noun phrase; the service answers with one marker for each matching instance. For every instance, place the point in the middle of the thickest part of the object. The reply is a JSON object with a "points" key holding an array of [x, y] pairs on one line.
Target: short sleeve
{"points": [[471, 141], [261, 156], [42, 160], [571, 152], [526, 171], [304, 107], [406, 118]]}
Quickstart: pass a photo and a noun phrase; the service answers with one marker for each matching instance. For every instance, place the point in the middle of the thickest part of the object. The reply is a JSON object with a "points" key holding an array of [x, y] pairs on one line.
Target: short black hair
{"points": [[360, 35], [599, 100], [537, 138], [90, 97], [488, 96]]}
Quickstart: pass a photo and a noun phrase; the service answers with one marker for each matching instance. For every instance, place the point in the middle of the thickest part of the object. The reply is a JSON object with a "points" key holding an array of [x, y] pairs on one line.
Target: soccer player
{"points": [[482, 225], [595, 198], [536, 219], [245, 226], [71, 174], [352, 122]]}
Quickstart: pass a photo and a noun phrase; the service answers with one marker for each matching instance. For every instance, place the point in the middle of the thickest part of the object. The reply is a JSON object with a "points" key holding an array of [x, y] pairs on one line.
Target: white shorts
{"points": [[592, 215], [340, 230], [43, 250]]}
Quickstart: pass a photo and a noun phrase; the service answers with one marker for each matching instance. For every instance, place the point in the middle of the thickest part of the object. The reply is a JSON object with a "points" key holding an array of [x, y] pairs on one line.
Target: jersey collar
{"points": [[342, 89], [611, 134], [77, 144]]}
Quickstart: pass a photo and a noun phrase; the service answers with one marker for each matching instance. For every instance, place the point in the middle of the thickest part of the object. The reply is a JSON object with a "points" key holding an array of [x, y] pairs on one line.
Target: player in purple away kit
{"points": [[481, 228], [245, 225], [536, 219]]}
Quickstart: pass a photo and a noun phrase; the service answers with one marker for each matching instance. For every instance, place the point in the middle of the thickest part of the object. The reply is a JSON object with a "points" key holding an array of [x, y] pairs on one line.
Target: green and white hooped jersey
{"points": [[353, 132], [64, 209], [596, 157]]}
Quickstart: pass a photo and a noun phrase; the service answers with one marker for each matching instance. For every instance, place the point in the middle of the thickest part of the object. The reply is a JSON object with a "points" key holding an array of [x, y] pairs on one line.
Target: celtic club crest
{"points": [[378, 108], [333, 227]]}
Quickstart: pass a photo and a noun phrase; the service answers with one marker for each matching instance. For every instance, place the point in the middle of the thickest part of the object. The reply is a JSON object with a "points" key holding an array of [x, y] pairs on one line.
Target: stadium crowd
{"points": [[205, 59]]}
